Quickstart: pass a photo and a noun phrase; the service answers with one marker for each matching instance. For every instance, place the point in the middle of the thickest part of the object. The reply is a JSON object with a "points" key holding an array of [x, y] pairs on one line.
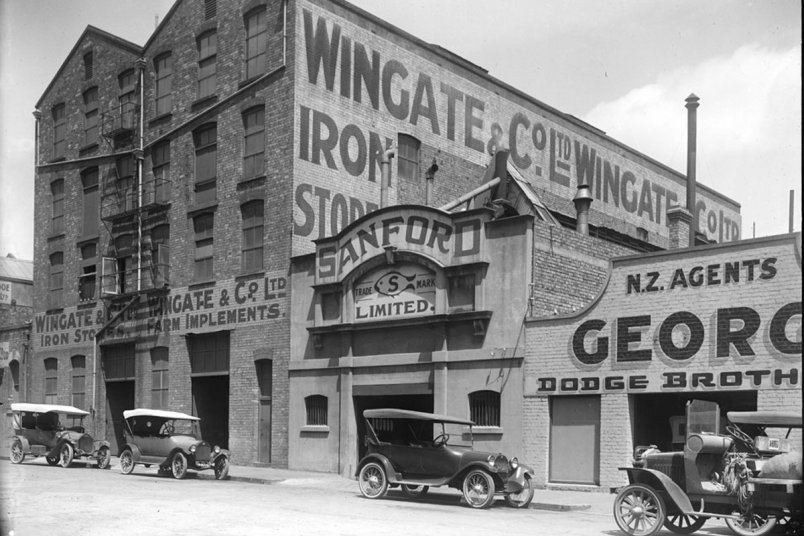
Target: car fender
{"points": [[390, 474], [135, 451], [222, 452], [518, 477], [662, 483], [488, 468], [99, 444], [26, 445]]}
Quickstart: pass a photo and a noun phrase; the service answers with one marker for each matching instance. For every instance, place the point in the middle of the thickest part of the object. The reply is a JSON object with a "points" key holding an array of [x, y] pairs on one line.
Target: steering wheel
{"points": [[167, 428], [741, 436], [440, 440]]}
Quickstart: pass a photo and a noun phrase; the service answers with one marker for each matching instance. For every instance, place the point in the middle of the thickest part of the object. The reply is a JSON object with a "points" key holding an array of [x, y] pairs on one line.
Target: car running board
{"points": [[701, 513]]}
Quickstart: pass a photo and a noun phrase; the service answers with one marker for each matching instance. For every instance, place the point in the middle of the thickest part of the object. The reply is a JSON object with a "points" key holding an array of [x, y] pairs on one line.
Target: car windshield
{"points": [[418, 432], [148, 425]]}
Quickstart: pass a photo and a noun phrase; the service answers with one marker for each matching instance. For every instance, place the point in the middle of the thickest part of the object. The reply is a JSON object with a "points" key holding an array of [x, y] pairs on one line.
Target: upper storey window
{"points": [[57, 213], [88, 70], [127, 82], [90, 116], [206, 163], [164, 84], [256, 43], [408, 160], [207, 55], [254, 147], [210, 9], [59, 130]]}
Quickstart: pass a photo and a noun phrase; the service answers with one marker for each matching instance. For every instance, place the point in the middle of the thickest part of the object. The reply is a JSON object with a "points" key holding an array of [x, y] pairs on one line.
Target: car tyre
{"points": [[221, 467], [639, 510], [753, 525], [126, 462], [523, 498], [414, 492], [52, 460], [66, 453], [178, 466], [478, 489], [372, 481], [17, 454], [683, 524], [104, 458]]}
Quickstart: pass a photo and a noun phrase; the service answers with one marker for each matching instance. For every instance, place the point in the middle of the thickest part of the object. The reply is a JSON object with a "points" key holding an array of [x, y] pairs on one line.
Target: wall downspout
{"points": [[385, 164], [140, 157]]}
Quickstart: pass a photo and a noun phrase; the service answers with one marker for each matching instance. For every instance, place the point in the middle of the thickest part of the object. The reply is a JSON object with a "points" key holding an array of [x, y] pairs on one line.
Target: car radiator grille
{"points": [[202, 453], [85, 444]]}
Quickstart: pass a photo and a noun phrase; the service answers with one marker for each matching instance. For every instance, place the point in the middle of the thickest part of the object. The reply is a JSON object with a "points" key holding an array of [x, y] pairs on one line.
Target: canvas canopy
{"points": [[47, 408], [766, 418], [144, 412]]}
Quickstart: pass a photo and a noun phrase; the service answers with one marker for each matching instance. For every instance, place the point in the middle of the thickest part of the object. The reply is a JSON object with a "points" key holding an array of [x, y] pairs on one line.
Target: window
{"points": [[203, 226], [126, 192], [484, 408], [209, 353], [126, 276], [127, 97], [164, 82], [89, 271], [160, 160], [160, 379], [207, 50], [79, 381], [206, 163], [254, 147], [462, 293], [91, 116], [210, 9], [89, 181], [253, 218], [88, 66], [57, 194], [51, 380], [160, 256], [408, 157], [59, 130], [256, 43], [56, 280], [316, 406]]}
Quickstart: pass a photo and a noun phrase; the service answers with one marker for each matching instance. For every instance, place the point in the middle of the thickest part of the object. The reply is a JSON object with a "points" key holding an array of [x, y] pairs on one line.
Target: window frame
{"points": [[91, 115], [408, 157], [316, 408], [485, 408], [204, 250], [163, 85], [88, 278], [207, 45], [59, 114], [91, 199], [254, 135], [160, 369], [160, 169], [256, 42], [88, 65], [57, 206], [206, 148], [56, 280], [253, 217], [78, 396], [51, 380]]}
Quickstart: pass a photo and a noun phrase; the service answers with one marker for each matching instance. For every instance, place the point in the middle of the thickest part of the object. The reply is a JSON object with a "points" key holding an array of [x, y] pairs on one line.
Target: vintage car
{"points": [[746, 473], [172, 441], [55, 432], [402, 451]]}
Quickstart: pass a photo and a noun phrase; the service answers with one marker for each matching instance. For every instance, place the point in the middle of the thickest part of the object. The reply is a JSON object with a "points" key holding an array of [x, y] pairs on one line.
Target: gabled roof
{"points": [[112, 39], [12, 269]]}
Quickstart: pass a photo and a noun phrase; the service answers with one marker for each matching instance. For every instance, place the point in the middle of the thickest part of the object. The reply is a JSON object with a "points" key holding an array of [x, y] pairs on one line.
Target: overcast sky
{"points": [[625, 66]]}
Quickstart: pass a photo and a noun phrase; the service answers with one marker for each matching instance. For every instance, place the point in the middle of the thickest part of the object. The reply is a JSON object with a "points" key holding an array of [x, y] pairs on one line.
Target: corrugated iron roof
{"points": [[17, 269]]}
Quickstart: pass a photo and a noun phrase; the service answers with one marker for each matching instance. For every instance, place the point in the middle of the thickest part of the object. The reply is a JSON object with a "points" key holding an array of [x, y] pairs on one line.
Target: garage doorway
{"points": [[209, 375], [417, 402], [265, 383], [575, 439], [119, 373]]}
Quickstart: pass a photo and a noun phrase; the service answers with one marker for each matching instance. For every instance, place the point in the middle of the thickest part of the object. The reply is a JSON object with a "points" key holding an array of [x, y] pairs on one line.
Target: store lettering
{"points": [[710, 275], [735, 327]]}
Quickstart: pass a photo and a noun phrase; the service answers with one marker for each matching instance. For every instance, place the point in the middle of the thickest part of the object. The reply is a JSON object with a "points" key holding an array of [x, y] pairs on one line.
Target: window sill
{"points": [[203, 102], [246, 181], [56, 236], [160, 119], [250, 275], [87, 240], [485, 431], [201, 284], [315, 429], [57, 159], [54, 310], [87, 304], [251, 80], [195, 210], [87, 148]]}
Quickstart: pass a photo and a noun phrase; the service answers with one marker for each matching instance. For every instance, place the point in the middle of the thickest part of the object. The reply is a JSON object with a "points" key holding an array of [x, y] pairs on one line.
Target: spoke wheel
{"points": [[17, 455], [478, 489], [178, 466], [638, 510], [66, 455], [52, 460], [414, 492], [523, 498], [751, 525], [372, 481], [104, 458], [221, 467], [683, 524], [126, 462]]}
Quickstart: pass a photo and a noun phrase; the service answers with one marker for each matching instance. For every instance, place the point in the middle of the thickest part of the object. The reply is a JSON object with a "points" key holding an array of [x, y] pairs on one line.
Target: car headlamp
{"points": [[192, 449], [217, 449], [491, 459], [514, 463]]}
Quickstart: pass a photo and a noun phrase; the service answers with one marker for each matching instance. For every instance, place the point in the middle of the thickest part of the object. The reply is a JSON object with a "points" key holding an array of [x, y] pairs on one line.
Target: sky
{"points": [[624, 66]]}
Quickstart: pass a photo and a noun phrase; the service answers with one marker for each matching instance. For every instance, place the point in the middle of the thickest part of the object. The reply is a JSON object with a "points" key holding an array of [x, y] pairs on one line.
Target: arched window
{"points": [[51, 380], [253, 221], [408, 157], [79, 363], [159, 378], [316, 406], [484, 408]]}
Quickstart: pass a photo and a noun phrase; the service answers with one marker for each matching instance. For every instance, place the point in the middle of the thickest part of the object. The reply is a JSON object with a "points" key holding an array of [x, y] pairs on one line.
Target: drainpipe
{"points": [[140, 156], [692, 124], [582, 200], [429, 177], [38, 115], [385, 181]]}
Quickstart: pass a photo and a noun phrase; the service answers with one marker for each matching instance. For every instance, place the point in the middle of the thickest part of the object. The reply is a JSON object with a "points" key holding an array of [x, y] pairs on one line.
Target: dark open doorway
{"points": [[119, 397], [412, 402], [211, 405]]}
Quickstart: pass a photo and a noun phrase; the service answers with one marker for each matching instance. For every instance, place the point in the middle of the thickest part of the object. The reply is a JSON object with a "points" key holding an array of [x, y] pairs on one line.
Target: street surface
{"points": [[37, 499]]}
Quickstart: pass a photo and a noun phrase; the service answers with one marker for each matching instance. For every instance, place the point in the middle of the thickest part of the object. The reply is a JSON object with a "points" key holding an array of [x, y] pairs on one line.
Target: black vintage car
{"points": [[402, 451], [750, 476], [55, 432]]}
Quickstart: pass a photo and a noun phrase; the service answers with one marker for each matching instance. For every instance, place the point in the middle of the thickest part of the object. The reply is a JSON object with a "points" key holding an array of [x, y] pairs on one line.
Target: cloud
{"points": [[748, 128]]}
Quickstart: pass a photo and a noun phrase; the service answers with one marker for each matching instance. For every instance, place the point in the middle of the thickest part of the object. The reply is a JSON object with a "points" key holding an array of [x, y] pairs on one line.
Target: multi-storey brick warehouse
{"points": [[214, 223]]}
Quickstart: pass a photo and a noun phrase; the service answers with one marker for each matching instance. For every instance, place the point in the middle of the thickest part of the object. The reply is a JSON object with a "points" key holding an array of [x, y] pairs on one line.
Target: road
{"points": [[37, 499]]}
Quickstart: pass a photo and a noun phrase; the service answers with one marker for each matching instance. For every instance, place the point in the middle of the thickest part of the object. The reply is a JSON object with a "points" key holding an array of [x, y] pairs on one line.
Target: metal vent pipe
{"points": [[692, 127]]}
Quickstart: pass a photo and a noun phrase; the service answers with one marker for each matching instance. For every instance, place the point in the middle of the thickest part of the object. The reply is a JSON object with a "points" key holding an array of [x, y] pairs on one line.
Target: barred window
{"points": [[484, 408], [164, 83], [254, 147], [160, 380], [316, 410], [207, 57], [203, 227], [408, 157], [91, 116], [57, 194], [59, 130], [253, 218], [51, 380], [79, 381], [256, 43]]}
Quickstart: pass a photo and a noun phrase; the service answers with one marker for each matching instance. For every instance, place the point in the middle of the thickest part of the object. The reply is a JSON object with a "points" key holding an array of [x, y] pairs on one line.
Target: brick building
{"points": [[205, 236]]}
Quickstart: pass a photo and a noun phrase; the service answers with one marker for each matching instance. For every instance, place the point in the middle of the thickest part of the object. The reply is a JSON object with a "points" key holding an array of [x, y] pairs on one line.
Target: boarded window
{"points": [[316, 406], [484, 408]]}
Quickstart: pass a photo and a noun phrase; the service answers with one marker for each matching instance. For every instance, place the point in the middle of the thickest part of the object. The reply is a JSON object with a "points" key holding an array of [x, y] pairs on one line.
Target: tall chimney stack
{"points": [[692, 127]]}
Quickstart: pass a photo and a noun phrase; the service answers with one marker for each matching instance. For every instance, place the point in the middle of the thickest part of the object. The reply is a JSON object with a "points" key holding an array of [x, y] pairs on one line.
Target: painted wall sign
{"points": [[357, 90], [435, 234], [229, 304], [726, 317], [5, 292], [404, 291]]}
